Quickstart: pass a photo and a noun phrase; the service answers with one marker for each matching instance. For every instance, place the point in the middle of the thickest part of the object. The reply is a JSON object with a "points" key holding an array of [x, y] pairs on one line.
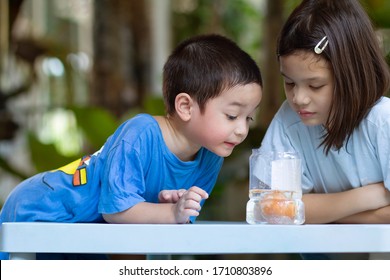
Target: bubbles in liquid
{"points": [[275, 207]]}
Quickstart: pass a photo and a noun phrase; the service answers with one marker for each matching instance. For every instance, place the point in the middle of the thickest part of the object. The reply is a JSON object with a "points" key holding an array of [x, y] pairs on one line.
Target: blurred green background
{"points": [[72, 71]]}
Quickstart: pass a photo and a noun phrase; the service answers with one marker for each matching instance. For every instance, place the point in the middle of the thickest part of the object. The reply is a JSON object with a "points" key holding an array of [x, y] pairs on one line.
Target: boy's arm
{"points": [[162, 213], [144, 213], [332, 207]]}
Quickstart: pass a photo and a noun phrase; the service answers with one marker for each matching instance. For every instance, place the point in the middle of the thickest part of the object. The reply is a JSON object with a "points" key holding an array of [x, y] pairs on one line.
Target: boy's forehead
{"points": [[240, 95]]}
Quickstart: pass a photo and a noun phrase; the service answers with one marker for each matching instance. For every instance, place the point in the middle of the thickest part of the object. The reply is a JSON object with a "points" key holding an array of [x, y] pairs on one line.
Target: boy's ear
{"points": [[183, 106]]}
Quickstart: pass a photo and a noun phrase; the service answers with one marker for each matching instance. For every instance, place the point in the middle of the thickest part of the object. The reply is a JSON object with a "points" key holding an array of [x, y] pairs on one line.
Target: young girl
{"points": [[335, 115]]}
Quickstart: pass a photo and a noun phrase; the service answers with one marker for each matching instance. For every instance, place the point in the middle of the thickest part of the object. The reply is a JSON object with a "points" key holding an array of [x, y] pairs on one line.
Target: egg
{"points": [[277, 204]]}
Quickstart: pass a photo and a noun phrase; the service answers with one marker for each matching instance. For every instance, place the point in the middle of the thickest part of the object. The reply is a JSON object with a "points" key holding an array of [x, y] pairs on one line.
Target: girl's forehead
{"points": [[303, 61], [306, 57]]}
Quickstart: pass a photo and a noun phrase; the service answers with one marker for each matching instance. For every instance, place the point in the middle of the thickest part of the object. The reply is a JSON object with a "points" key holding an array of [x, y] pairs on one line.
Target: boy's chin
{"points": [[223, 153]]}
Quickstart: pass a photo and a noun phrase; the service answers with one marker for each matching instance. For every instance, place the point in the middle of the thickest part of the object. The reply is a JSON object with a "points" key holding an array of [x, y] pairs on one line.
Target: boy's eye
{"points": [[250, 119], [230, 117]]}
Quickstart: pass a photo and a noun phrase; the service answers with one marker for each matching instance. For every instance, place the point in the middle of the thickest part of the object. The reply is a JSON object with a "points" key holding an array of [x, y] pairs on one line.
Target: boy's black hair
{"points": [[203, 66]]}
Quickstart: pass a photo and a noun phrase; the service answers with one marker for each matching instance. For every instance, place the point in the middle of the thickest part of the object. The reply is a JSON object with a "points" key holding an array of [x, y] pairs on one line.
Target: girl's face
{"points": [[309, 86], [225, 120]]}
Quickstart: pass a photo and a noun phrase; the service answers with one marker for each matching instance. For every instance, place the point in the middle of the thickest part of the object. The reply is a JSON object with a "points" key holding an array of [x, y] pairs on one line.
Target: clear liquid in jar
{"points": [[275, 207]]}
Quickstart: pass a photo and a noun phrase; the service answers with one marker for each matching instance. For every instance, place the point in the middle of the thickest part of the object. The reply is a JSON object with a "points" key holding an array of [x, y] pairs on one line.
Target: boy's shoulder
{"points": [[138, 127], [141, 121], [142, 118]]}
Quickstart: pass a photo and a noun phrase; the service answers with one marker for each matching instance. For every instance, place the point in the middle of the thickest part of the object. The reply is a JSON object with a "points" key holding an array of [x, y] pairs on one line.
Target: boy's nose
{"points": [[242, 128]]}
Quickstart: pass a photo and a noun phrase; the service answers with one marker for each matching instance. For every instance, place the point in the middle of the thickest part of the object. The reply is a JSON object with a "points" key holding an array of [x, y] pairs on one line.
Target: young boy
{"points": [[156, 169]]}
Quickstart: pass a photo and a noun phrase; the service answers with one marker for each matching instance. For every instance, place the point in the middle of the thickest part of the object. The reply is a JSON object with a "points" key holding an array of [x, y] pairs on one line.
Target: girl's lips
{"points": [[305, 114]]}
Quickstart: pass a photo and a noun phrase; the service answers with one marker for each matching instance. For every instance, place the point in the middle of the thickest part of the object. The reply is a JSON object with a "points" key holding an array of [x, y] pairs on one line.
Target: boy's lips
{"points": [[231, 144]]}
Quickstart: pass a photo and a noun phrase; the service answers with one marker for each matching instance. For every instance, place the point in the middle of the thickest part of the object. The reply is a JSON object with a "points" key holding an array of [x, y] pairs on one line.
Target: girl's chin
{"points": [[311, 122]]}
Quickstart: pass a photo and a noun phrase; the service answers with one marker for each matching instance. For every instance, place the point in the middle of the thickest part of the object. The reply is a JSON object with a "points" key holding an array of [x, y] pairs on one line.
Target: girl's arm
{"points": [[332, 207], [162, 213], [377, 216]]}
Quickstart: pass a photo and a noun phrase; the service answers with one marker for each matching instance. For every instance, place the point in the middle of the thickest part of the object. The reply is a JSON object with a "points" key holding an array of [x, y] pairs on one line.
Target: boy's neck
{"points": [[175, 139]]}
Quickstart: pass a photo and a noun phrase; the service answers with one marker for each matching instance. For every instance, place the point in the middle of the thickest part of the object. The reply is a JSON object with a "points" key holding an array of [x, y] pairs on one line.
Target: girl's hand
{"points": [[321, 208], [170, 196], [376, 196], [189, 204]]}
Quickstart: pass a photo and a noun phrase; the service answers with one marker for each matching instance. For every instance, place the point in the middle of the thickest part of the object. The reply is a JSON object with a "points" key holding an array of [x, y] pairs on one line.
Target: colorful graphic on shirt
{"points": [[78, 169], [70, 168], [80, 176]]}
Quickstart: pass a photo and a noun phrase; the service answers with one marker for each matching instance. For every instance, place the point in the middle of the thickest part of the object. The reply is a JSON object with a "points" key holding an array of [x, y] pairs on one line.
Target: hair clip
{"points": [[318, 49]]}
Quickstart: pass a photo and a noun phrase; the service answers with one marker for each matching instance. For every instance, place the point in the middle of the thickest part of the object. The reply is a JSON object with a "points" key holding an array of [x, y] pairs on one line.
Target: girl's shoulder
{"points": [[287, 116], [380, 112]]}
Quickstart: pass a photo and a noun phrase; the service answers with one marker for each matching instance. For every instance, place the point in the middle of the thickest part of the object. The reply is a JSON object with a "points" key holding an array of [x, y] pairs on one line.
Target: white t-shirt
{"points": [[365, 160]]}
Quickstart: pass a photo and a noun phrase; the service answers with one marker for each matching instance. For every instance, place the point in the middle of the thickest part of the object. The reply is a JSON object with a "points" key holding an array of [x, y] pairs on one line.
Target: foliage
{"points": [[378, 10], [96, 124], [238, 19], [45, 156], [234, 19]]}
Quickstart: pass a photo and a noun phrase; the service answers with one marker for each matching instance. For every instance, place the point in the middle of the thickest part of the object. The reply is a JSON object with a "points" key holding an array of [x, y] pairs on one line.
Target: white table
{"points": [[23, 240]]}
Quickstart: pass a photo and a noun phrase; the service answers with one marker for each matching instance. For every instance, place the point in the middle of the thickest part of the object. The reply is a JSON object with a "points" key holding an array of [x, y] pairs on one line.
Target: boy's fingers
{"points": [[181, 192], [161, 195], [192, 204], [203, 194]]}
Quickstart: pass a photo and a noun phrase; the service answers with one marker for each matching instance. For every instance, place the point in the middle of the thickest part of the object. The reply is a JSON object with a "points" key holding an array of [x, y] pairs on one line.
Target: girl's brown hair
{"points": [[360, 71]]}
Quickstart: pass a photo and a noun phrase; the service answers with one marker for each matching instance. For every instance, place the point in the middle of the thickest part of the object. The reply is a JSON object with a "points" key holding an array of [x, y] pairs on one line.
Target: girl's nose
{"points": [[301, 97]]}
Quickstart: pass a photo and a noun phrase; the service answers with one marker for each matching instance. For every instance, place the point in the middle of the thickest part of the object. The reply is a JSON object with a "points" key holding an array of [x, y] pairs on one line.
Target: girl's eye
{"points": [[289, 84], [250, 119], [316, 87], [230, 117]]}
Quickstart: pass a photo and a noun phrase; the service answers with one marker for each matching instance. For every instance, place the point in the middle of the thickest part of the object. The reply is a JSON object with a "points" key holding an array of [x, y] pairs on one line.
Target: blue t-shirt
{"points": [[364, 160], [133, 166]]}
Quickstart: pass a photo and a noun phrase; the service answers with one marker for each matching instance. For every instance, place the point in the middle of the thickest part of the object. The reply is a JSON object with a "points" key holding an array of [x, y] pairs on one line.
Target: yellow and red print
{"points": [[79, 170]]}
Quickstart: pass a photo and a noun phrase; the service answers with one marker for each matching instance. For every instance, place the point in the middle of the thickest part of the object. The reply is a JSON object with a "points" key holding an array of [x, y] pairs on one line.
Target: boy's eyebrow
{"points": [[238, 104]]}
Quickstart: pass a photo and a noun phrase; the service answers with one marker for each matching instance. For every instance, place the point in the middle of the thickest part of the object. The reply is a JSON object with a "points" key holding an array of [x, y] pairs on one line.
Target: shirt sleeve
{"points": [[123, 185], [382, 143]]}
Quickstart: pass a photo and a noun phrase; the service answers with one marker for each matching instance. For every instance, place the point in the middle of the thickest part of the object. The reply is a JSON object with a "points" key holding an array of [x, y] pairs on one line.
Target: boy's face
{"points": [[309, 85], [225, 121]]}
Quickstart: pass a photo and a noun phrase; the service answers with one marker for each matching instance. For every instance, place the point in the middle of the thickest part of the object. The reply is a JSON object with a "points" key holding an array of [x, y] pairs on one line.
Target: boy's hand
{"points": [[170, 196], [189, 204]]}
